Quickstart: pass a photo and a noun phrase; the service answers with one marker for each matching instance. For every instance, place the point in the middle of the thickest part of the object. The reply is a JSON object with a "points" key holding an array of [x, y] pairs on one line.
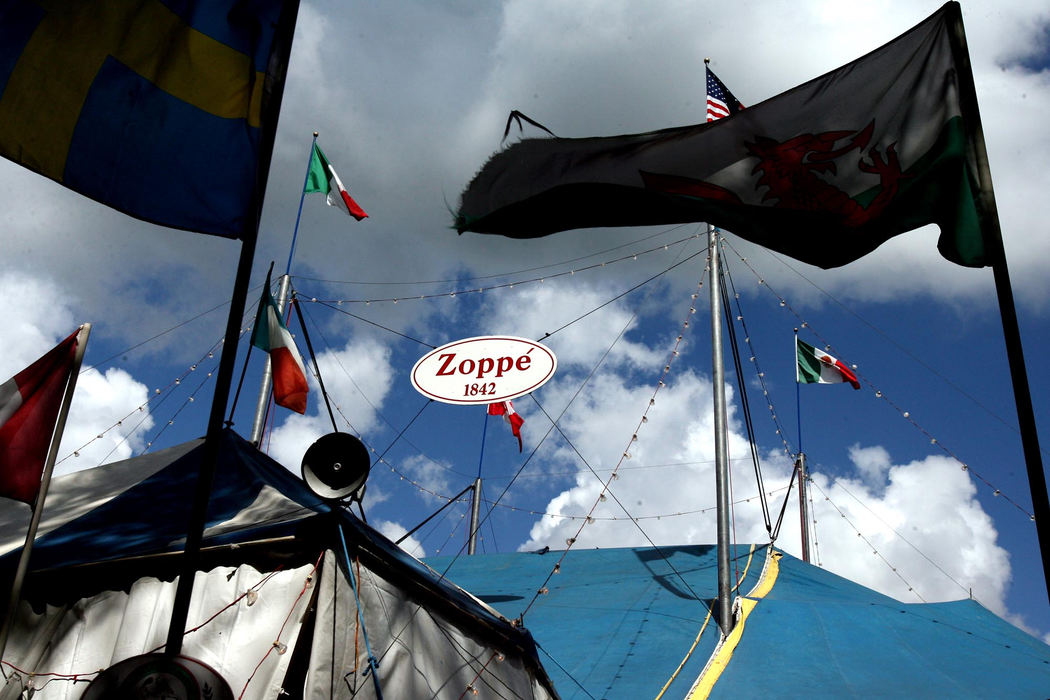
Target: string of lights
{"points": [[389, 283], [625, 455], [915, 358], [868, 542], [277, 645], [880, 395], [29, 680], [904, 539], [157, 398], [503, 285]]}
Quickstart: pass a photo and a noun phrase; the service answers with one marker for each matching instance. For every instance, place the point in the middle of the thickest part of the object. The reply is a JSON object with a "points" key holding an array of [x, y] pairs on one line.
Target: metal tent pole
{"points": [[725, 605], [259, 423], [803, 509]]}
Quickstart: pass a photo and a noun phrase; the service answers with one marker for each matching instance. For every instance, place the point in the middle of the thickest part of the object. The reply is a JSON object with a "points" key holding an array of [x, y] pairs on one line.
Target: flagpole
{"points": [[227, 360], [263, 400], [798, 397], [725, 605], [800, 465], [1004, 291], [302, 198], [475, 506], [45, 483]]}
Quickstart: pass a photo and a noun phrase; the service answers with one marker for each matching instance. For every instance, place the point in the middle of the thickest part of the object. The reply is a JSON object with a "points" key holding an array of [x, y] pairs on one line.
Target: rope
{"points": [[277, 644], [710, 611], [373, 663]]}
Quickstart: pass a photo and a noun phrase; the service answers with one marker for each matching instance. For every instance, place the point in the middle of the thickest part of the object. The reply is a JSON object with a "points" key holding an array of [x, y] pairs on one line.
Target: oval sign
{"points": [[483, 370]]}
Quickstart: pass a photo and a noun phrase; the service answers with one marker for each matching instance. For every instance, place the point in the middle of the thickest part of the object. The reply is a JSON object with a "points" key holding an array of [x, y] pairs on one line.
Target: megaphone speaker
{"points": [[336, 466]]}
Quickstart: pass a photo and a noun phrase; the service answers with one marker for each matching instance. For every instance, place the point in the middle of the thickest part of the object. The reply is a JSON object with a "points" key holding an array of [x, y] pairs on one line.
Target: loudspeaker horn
{"points": [[336, 466]]}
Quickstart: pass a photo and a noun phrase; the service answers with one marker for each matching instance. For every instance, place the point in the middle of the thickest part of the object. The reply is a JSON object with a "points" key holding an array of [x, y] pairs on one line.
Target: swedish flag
{"points": [[163, 109]]}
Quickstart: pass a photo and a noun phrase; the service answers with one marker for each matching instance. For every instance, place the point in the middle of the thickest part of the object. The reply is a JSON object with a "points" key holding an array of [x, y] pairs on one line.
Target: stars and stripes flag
{"points": [[720, 102]]}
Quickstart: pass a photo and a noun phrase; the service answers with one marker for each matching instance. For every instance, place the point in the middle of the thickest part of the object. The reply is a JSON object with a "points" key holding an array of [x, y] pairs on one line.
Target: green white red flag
{"points": [[815, 366], [289, 373], [881, 146], [29, 406], [322, 178]]}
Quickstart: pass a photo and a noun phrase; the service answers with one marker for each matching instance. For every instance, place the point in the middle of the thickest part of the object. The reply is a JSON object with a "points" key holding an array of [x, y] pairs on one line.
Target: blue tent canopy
{"points": [[616, 623]]}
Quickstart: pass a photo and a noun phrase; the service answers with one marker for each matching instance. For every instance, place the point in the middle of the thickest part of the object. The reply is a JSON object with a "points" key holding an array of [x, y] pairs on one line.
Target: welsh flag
{"points": [[506, 409], [289, 373], [818, 367], [29, 405], [878, 147], [322, 178]]}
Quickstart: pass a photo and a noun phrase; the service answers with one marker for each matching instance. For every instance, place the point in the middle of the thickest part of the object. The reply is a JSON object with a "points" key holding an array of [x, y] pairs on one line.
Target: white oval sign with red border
{"points": [[483, 370]]}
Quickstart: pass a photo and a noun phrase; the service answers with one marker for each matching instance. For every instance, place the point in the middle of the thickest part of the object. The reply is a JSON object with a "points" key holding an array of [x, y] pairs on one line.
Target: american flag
{"points": [[720, 102]]}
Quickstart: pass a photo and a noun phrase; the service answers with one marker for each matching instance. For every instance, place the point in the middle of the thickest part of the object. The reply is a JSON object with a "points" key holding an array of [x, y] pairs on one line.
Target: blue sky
{"points": [[410, 99]]}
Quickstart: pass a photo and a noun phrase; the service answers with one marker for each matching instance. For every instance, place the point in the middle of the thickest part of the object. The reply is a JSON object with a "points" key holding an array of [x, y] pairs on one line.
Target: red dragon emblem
{"points": [[791, 173]]}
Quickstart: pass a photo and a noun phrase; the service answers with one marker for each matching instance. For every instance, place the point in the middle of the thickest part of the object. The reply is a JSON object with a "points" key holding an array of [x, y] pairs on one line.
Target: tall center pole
{"points": [[725, 606], [259, 423], [803, 508]]}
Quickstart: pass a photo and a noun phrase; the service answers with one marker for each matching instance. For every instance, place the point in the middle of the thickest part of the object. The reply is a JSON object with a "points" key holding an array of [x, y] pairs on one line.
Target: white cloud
{"points": [[872, 462], [394, 531], [542, 308], [104, 423], [358, 378], [911, 514]]}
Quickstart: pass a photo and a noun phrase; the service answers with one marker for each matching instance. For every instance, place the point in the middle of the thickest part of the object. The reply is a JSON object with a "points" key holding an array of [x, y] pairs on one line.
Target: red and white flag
{"points": [[506, 409], [29, 406], [289, 373], [322, 178]]}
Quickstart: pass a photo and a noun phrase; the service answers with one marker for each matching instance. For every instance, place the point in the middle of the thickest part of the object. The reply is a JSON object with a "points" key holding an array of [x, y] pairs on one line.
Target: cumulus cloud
{"points": [[932, 537], [108, 420], [358, 378], [395, 531], [105, 423], [407, 131], [542, 308]]}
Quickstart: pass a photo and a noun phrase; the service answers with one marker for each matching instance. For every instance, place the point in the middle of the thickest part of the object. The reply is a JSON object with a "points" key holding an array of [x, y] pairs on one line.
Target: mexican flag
{"points": [[878, 147], [818, 367], [322, 178], [29, 405], [289, 373]]}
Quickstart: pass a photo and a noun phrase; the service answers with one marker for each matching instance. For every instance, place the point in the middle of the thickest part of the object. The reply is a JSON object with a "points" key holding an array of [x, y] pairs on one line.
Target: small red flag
{"points": [[29, 405], [506, 409]]}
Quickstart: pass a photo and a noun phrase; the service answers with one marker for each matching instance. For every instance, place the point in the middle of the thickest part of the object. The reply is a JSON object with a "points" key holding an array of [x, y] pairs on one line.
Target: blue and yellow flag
{"points": [[163, 109]]}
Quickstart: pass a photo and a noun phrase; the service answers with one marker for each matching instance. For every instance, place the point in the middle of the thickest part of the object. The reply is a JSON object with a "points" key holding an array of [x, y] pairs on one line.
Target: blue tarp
{"points": [[616, 623]]}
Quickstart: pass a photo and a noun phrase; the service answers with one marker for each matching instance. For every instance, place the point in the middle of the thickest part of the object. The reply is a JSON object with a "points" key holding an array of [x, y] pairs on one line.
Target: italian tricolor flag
{"points": [[289, 373], [817, 367], [322, 178]]}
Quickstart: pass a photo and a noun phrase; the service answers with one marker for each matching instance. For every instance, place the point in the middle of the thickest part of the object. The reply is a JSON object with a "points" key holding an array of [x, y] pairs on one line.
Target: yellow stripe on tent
{"points": [[724, 652]]}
